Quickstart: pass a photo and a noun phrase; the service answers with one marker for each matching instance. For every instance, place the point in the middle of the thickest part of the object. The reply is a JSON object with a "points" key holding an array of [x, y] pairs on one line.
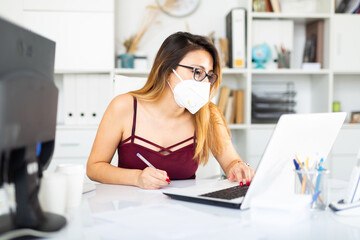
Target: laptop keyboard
{"points": [[228, 193]]}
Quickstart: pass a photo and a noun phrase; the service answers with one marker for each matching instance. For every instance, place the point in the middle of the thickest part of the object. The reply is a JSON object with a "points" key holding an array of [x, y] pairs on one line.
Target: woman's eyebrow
{"points": [[202, 67]]}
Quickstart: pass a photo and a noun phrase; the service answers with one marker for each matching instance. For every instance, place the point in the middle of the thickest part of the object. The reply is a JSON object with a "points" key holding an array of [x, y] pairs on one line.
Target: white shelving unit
{"points": [[296, 16], [317, 89]]}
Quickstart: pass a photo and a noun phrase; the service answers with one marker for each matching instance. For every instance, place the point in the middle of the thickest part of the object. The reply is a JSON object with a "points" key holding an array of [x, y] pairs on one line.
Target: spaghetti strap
{"points": [[178, 162], [179, 143], [154, 144], [134, 119], [133, 136]]}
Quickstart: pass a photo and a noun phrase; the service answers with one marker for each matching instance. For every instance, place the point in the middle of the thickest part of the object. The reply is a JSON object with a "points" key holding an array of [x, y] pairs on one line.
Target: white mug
{"points": [[75, 174], [53, 192]]}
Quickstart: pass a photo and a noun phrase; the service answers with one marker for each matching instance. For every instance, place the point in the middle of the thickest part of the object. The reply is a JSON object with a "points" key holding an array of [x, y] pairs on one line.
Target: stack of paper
{"points": [[280, 209], [161, 221]]}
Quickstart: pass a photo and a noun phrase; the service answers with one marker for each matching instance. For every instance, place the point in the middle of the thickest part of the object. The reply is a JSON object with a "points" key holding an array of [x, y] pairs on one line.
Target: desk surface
{"points": [[124, 212]]}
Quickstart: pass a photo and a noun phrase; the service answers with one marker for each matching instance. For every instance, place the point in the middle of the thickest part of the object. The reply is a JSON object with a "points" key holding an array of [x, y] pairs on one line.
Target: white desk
{"points": [[148, 214]]}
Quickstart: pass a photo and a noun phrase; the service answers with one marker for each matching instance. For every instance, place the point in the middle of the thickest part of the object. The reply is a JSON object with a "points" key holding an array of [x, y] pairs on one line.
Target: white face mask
{"points": [[191, 94]]}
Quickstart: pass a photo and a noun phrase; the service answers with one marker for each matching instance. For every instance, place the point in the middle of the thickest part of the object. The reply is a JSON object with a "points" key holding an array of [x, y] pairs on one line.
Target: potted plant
{"points": [[131, 44]]}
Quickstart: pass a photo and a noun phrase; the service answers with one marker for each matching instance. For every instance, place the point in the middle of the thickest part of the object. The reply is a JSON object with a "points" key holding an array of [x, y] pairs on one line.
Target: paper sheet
{"points": [[167, 221]]}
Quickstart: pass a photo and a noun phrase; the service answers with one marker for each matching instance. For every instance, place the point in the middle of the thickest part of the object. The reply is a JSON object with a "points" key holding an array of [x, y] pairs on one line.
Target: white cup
{"points": [[75, 174], [52, 194]]}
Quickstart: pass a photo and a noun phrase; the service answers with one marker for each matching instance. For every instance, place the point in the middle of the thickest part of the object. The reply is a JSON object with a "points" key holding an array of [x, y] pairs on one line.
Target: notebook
{"points": [[305, 135]]}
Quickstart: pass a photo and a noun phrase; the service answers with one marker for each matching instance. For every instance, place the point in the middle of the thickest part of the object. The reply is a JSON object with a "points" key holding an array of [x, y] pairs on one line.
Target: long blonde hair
{"points": [[208, 119]]}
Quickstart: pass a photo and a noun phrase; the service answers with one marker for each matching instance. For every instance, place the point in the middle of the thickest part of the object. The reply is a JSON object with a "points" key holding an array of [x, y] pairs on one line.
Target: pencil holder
{"points": [[314, 183], [284, 60]]}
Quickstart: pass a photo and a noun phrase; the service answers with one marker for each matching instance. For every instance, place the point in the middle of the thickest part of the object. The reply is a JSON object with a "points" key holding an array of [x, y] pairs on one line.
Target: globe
{"points": [[261, 54]]}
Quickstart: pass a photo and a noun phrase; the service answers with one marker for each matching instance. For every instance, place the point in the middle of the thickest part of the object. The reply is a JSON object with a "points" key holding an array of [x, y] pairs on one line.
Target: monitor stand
{"points": [[51, 224], [28, 219]]}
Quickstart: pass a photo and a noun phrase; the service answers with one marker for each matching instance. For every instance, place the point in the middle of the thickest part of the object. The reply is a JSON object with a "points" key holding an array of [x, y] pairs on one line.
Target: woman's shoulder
{"points": [[122, 104]]}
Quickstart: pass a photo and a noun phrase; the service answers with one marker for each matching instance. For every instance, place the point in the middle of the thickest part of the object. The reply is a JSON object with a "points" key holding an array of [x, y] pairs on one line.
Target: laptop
{"points": [[295, 134]]}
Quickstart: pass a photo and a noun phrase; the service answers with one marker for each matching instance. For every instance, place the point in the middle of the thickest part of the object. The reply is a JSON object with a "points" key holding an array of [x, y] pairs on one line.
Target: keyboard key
{"points": [[228, 193]]}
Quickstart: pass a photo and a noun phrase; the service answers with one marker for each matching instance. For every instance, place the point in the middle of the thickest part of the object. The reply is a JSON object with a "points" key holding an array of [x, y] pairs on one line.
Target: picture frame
{"points": [[355, 117]]}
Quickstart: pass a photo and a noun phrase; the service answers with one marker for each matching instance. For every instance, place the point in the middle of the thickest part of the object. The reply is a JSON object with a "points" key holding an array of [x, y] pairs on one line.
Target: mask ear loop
{"points": [[170, 86], [177, 76]]}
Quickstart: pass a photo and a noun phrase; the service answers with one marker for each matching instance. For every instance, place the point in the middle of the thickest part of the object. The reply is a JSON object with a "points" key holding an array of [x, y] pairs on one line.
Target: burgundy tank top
{"points": [[178, 164]]}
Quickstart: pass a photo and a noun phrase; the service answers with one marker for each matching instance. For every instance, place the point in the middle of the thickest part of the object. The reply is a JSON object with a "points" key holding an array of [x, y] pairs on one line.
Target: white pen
{"points": [[146, 161], [150, 165]]}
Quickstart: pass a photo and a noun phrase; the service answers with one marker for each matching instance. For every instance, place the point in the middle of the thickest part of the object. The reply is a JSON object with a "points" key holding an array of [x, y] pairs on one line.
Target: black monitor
{"points": [[28, 107]]}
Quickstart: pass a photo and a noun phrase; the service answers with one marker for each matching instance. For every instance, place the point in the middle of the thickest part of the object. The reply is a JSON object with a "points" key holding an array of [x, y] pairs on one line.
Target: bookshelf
{"points": [[317, 89], [300, 17], [290, 72]]}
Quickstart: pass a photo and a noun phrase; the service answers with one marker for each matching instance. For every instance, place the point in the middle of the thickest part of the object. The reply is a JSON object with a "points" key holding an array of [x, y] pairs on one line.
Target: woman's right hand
{"points": [[150, 178]]}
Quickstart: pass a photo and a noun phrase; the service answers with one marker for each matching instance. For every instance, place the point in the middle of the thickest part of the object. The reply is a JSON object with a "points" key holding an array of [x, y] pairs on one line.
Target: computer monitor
{"points": [[28, 107]]}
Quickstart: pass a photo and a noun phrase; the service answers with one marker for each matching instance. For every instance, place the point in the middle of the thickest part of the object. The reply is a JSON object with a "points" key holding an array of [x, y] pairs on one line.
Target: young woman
{"points": [[170, 122]]}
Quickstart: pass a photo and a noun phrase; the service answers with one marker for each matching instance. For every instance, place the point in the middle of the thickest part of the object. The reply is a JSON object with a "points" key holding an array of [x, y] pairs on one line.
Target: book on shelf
{"points": [[275, 5], [268, 7], [223, 98], [236, 34], [314, 45], [262, 6], [348, 6], [233, 107], [231, 104], [229, 107], [239, 107]]}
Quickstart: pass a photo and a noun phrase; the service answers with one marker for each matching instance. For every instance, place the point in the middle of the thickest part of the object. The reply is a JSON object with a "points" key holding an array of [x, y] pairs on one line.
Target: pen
{"points": [[307, 163], [303, 182], [301, 166], [145, 161], [150, 165], [319, 175], [315, 196], [303, 185], [297, 167], [298, 161]]}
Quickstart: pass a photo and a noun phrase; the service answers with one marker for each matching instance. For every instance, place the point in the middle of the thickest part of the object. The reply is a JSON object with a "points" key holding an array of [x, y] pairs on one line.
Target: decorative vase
{"points": [[127, 60]]}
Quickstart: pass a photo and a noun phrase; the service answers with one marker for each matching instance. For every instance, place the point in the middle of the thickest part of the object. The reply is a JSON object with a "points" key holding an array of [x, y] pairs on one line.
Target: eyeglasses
{"points": [[200, 74]]}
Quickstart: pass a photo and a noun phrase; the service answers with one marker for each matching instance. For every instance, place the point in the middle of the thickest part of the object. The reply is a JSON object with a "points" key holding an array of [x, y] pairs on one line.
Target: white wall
{"points": [[12, 10], [209, 17]]}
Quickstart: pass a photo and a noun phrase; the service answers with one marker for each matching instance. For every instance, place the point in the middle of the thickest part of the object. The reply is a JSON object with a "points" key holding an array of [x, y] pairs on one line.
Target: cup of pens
{"points": [[314, 182]]}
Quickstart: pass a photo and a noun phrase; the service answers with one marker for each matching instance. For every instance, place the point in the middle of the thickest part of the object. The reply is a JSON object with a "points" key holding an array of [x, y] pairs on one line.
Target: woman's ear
{"points": [[172, 80]]}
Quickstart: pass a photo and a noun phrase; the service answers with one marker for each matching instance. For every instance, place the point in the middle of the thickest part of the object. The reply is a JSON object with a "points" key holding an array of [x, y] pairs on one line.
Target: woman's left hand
{"points": [[241, 172]]}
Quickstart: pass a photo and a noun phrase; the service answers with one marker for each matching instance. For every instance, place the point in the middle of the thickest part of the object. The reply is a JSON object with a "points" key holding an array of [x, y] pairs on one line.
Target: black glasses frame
{"points": [[208, 75]]}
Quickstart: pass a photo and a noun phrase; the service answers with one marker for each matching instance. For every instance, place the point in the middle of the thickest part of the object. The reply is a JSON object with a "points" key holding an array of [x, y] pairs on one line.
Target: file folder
{"points": [[70, 108], [236, 34]]}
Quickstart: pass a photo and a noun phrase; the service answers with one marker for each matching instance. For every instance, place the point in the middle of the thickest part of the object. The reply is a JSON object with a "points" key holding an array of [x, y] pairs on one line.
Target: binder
{"points": [[81, 99], [60, 117], [93, 99], [70, 108], [236, 34]]}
